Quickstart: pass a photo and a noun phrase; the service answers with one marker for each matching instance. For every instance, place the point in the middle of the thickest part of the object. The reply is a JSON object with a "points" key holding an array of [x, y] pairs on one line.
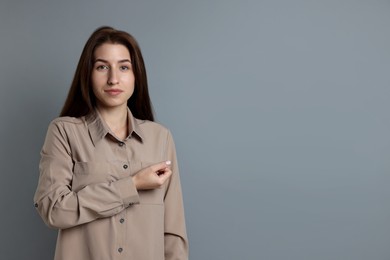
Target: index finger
{"points": [[159, 166]]}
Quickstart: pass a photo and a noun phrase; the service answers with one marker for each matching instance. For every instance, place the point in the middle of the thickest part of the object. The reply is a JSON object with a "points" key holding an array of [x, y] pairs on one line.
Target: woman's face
{"points": [[112, 76]]}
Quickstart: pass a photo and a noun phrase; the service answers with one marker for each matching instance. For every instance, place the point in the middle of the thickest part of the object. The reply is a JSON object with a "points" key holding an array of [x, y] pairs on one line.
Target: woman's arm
{"points": [[175, 236], [58, 205]]}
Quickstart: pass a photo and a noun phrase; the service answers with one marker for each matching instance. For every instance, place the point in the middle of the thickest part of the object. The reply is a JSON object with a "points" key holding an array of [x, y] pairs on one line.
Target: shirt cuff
{"points": [[127, 191]]}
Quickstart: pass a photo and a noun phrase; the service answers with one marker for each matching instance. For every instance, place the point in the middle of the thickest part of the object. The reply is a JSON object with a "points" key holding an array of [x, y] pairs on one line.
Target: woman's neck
{"points": [[116, 119]]}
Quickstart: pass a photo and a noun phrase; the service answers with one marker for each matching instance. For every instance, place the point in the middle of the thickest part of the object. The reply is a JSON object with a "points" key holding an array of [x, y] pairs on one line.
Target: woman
{"points": [[109, 178]]}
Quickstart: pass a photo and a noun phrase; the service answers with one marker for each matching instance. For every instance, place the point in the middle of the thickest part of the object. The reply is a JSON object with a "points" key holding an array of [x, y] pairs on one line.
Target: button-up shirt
{"points": [[86, 191]]}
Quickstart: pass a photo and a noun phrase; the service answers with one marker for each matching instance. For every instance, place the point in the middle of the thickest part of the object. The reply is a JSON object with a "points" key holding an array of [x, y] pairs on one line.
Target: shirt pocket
{"points": [[87, 173], [148, 197]]}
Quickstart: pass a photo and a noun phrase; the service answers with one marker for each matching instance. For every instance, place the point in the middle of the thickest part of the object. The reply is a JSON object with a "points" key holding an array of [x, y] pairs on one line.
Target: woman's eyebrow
{"points": [[101, 60], [124, 60], [105, 61]]}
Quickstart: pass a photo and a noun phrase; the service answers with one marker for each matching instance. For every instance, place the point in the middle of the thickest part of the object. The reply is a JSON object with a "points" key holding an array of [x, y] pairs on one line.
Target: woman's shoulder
{"points": [[151, 126], [65, 121]]}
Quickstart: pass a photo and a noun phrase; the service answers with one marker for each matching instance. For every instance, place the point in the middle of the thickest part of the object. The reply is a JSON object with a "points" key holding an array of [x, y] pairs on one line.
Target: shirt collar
{"points": [[98, 128]]}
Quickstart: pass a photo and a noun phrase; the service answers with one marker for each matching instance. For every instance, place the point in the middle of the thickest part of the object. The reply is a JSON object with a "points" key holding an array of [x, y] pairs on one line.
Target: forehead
{"points": [[112, 51]]}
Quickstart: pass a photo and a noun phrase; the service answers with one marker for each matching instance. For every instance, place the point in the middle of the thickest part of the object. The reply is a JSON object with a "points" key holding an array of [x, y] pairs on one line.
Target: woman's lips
{"points": [[113, 92]]}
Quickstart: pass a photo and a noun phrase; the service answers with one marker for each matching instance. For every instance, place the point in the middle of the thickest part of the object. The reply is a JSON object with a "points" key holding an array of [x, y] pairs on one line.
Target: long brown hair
{"points": [[81, 100]]}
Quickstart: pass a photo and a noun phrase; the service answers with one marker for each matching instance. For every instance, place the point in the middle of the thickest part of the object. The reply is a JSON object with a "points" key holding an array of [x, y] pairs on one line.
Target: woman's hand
{"points": [[152, 177]]}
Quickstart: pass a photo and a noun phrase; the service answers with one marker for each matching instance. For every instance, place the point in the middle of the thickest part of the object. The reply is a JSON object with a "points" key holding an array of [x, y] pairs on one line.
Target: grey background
{"points": [[279, 109]]}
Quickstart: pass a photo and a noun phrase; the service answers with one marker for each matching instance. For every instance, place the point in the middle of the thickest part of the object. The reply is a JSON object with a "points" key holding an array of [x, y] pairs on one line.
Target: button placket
{"points": [[122, 167], [122, 230]]}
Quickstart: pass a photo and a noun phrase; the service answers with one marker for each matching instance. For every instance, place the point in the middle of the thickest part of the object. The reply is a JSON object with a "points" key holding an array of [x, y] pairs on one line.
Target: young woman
{"points": [[109, 178]]}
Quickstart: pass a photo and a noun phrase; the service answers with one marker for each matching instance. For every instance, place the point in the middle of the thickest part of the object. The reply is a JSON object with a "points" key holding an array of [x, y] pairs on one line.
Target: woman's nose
{"points": [[112, 78]]}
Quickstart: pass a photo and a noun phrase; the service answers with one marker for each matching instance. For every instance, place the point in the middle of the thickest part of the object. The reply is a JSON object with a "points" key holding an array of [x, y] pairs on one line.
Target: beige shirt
{"points": [[86, 191]]}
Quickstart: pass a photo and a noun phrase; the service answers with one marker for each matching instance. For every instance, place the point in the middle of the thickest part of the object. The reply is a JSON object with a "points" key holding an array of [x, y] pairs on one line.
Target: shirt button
{"points": [[125, 166], [120, 250], [36, 205], [121, 144], [122, 220]]}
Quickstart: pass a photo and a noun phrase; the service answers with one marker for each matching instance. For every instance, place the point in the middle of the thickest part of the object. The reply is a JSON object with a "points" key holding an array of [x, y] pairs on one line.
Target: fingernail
{"points": [[168, 162]]}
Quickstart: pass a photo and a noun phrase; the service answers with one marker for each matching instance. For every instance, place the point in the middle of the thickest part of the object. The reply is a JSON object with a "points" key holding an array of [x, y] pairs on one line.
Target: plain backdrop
{"points": [[279, 110]]}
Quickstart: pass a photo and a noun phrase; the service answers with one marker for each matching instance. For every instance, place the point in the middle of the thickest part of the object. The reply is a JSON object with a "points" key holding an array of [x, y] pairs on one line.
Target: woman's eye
{"points": [[102, 67], [124, 67]]}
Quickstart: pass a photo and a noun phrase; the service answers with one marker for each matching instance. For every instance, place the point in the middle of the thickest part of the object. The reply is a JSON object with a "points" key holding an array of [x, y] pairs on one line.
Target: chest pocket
{"points": [[86, 173], [155, 196]]}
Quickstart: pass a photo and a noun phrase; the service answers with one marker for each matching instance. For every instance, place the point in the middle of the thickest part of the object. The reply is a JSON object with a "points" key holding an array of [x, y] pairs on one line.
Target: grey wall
{"points": [[279, 109]]}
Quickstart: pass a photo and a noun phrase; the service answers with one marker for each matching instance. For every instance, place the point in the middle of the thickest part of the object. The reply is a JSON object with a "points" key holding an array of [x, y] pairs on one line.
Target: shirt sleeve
{"points": [[175, 235], [57, 204]]}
